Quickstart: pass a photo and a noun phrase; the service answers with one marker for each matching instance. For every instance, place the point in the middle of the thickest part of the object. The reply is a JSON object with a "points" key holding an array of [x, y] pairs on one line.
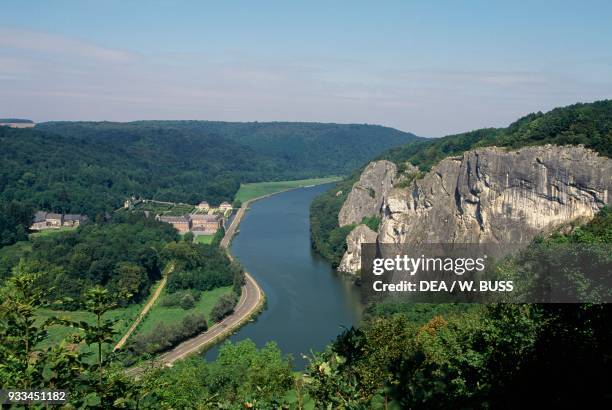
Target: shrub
{"points": [[174, 299], [187, 301], [224, 307], [165, 336]]}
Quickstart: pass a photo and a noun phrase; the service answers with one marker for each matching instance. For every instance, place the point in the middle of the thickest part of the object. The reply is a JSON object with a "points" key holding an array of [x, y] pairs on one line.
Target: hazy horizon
{"points": [[428, 69]]}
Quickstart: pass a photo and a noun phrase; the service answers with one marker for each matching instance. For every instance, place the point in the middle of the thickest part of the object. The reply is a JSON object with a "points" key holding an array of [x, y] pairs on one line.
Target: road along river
{"points": [[308, 304]]}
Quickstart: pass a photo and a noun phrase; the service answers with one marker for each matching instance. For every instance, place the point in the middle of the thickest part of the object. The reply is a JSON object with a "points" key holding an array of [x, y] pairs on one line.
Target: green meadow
{"points": [[171, 314], [257, 189]]}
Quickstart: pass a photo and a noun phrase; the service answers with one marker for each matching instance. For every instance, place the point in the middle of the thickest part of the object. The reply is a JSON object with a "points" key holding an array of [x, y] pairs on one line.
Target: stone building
{"points": [[73, 220], [206, 224], [180, 223], [48, 220], [40, 221], [203, 206], [54, 220]]}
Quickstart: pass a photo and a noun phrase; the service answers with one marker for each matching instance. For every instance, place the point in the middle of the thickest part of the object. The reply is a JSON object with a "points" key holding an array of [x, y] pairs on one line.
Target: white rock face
{"points": [[351, 261], [491, 195], [367, 195]]}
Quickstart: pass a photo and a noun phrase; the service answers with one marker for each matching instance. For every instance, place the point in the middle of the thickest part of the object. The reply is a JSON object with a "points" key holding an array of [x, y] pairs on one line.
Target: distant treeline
{"points": [[16, 120], [586, 124], [91, 167]]}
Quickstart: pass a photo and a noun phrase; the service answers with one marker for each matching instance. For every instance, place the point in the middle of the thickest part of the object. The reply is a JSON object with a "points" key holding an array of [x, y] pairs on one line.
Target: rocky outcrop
{"points": [[351, 261], [366, 197], [491, 195]]}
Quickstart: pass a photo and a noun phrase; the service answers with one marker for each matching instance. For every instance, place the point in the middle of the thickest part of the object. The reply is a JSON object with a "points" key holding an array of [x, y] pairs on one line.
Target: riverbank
{"points": [[252, 191], [250, 304], [307, 303]]}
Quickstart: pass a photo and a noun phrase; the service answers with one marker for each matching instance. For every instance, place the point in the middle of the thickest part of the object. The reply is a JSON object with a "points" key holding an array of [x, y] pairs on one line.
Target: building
{"points": [[225, 206], [17, 124], [180, 223], [203, 206], [54, 220], [40, 221], [48, 220], [206, 224], [73, 220]]}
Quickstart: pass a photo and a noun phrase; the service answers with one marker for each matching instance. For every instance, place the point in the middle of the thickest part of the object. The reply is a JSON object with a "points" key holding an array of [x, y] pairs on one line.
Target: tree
{"points": [[223, 307], [187, 301], [188, 237]]}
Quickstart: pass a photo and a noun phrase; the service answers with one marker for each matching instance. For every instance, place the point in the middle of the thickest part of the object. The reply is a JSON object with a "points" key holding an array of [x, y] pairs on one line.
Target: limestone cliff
{"points": [[487, 195], [351, 261], [366, 197]]}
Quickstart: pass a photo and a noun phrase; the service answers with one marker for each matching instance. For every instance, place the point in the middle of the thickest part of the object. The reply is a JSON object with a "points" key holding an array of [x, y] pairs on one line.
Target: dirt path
{"points": [[146, 308]]}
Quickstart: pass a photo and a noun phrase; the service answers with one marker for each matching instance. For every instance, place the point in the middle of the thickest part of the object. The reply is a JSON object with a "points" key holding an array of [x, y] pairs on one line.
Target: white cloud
{"points": [[53, 44], [49, 76]]}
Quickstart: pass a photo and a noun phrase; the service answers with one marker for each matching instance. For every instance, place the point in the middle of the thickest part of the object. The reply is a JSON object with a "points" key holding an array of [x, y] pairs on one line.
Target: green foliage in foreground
{"points": [[419, 356], [24, 364], [241, 377], [475, 356]]}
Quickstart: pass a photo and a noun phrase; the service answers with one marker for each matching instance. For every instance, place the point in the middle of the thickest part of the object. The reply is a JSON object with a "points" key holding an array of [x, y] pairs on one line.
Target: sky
{"points": [[429, 67]]}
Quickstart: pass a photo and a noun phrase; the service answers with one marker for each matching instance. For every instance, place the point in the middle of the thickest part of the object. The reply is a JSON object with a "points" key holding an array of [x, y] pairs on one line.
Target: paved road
{"points": [[250, 300]]}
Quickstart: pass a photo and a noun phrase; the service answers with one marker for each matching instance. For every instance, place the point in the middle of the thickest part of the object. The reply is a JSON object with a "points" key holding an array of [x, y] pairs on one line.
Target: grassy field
{"points": [[165, 314], [50, 232], [124, 316], [205, 239], [257, 189]]}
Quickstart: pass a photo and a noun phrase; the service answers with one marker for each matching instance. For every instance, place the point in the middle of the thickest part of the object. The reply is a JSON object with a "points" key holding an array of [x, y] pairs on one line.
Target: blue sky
{"points": [[430, 67]]}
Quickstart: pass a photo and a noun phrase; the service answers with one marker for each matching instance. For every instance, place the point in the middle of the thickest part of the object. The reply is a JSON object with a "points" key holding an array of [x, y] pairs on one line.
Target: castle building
{"points": [[180, 223], [206, 224]]}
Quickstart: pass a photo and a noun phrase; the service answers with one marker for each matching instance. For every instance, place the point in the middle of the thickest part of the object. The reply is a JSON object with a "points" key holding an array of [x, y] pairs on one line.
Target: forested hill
{"points": [[92, 166], [588, 124], [292, 149]]}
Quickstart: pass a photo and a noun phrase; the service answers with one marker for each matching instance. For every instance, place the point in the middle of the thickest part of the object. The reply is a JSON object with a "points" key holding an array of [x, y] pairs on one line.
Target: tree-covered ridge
{"points": [[90, 167], [16, 121], [586, 124]]}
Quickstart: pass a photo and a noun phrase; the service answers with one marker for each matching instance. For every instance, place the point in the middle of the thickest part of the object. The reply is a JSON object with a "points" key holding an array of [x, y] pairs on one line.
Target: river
{"points": [[308, 303]]}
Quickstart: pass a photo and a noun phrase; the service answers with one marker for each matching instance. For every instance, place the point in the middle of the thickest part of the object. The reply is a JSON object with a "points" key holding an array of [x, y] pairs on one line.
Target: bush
{"points": [[224, 307], [174, 299], [200, 267], [165, 336], [187, 301]]}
